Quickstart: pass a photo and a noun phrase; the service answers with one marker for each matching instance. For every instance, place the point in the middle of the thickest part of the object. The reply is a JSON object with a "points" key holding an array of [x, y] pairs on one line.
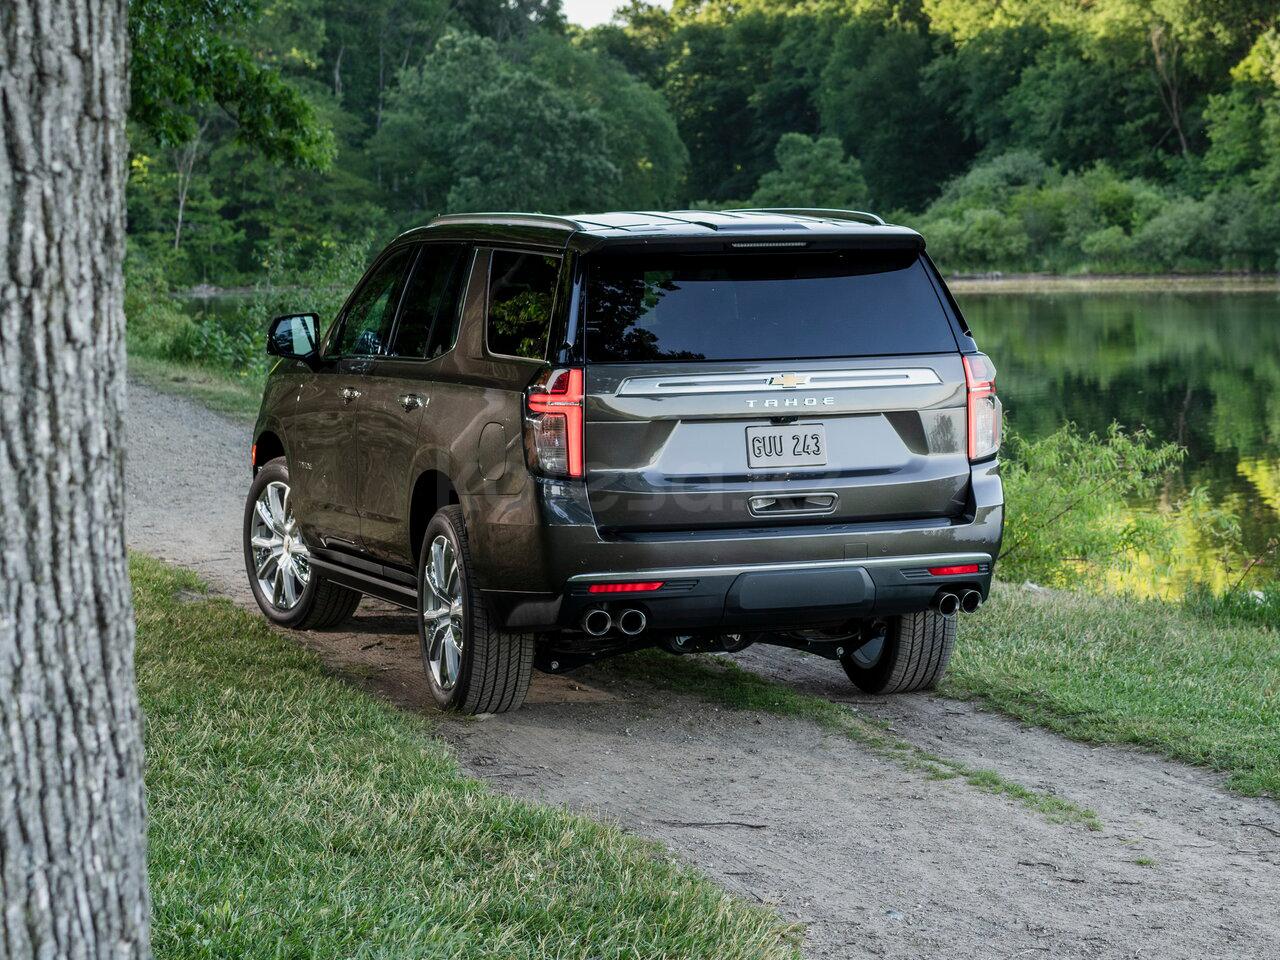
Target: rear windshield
{"points": [[688, 306]]}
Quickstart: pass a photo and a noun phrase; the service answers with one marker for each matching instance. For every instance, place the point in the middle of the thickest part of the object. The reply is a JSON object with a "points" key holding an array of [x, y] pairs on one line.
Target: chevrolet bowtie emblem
{"points": [[790, 380]]}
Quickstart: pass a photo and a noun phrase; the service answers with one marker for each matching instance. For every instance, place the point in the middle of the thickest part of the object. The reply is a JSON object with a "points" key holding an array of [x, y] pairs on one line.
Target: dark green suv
{"points": [[557, 439]]}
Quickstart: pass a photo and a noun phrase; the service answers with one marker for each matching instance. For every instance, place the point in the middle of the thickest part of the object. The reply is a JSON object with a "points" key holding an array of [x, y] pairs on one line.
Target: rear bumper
{"points": [[538, 574]]}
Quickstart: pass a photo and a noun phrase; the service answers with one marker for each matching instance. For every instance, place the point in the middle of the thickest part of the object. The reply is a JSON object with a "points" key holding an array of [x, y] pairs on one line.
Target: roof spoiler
{"points": [[817, 213]]}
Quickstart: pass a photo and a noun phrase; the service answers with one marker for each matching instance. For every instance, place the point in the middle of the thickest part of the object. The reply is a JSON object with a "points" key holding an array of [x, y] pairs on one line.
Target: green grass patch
{"points": [[227, 393], [293, 816], [1188, 683], [720, 681]]}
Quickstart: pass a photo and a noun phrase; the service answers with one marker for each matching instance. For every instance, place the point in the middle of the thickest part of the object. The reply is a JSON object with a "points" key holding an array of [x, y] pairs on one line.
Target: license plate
{"points": [[795, 445]]}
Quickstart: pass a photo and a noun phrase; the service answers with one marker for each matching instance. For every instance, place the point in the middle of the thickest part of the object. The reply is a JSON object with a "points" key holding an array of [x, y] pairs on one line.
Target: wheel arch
{"points": [[432, 490], [266, 447]]}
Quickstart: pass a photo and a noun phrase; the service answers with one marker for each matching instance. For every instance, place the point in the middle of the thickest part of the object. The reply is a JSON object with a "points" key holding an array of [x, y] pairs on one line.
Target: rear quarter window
{"points": [[805, 305], [522, 288]]}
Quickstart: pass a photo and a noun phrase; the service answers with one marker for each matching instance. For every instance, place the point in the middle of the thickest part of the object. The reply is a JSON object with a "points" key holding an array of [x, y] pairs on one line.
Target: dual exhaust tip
{"points": [[598, 621], [631, 621], [949, 604]]}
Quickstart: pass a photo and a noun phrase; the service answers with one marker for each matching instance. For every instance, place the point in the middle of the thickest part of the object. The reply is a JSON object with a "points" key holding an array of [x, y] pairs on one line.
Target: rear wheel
{"points": [[910, 653], [472, 666], [288, 589]]}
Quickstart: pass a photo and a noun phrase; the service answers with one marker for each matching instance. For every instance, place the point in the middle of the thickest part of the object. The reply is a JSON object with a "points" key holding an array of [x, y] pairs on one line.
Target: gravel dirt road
{"points": [[874, 859]]}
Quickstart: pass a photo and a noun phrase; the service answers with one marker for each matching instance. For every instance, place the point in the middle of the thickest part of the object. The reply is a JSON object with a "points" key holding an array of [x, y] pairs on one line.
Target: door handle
{"points": [[349, 394], [411, 401]]}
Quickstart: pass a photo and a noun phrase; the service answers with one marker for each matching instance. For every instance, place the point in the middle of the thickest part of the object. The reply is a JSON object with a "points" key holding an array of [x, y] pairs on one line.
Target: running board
{"points": [[370, 584]]}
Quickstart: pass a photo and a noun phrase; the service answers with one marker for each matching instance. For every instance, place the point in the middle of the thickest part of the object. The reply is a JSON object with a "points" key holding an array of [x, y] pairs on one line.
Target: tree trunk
{"points": [[1164, 53], [184, 162], [72, 821]]}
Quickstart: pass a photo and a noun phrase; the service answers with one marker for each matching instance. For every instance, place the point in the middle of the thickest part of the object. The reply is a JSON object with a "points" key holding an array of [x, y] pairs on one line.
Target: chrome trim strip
{"points": [[794, 380], [673, 573]]}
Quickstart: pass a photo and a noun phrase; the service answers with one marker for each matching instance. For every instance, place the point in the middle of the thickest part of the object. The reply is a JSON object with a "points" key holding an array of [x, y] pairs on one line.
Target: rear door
{"points": [[398, 396], [322, 432], [732, 389]]}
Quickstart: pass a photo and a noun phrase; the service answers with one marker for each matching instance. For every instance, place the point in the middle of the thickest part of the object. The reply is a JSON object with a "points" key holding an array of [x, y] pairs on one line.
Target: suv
{"points": [[557, 439]]}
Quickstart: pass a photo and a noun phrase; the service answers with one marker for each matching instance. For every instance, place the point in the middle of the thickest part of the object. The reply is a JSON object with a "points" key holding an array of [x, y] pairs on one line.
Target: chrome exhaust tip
{"points": [[970, 601], [597, 622], [632, 621], [947, 604]]}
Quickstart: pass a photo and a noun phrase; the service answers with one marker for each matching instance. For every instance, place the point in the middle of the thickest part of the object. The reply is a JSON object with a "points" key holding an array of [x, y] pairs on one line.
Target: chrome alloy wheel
{"points": [[281, 560], [442, 613]]}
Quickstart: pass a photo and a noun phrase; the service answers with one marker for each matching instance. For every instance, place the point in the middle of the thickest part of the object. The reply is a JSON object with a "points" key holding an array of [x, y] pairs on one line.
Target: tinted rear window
{"points": [[643, 307]]}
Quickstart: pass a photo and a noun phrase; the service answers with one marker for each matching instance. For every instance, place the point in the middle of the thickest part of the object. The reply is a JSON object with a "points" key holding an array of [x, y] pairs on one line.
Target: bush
{"points": [[234, 341], [1110, 245], [1067, 503], [978, 239]]}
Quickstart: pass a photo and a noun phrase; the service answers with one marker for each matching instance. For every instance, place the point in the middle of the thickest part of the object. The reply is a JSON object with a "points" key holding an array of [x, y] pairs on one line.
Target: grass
{"points": [[293, 816], [225, 393], [720, 681], [1181, 681]]}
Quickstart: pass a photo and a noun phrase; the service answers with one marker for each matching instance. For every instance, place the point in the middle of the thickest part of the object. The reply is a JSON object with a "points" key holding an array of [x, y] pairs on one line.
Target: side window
{"points": [[367, 321], [522, 289], [428, 309]]}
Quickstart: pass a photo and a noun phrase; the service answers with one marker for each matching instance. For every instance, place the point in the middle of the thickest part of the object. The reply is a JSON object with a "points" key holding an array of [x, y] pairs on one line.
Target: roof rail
{"points": [[510, 219], [818, 213]]}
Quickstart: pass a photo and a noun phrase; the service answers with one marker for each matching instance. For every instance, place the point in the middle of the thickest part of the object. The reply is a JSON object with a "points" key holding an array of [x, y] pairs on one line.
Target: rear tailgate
{"points": [[675, 450], [732, 389]]}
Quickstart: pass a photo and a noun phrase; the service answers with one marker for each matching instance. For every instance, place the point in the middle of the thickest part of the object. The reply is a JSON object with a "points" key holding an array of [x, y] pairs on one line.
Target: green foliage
{"points": [[640, 135], [812, 172], [525, 144], [1068, 518], [187, 58], [229, 336], [1114, 136], [1013, 212]]}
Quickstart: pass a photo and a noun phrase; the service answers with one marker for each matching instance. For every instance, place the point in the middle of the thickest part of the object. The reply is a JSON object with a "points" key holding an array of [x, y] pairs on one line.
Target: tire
{"points": [[912, 654], [472, 666], [319, 603]]}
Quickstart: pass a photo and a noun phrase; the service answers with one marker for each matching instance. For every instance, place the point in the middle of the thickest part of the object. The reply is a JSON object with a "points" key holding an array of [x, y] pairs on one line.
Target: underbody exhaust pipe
{"points": [[632, 621], [946, 604], [596, 622], [970, 601]]}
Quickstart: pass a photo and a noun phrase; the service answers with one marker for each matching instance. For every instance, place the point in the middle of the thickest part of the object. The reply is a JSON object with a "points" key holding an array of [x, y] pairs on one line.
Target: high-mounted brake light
{"points": [[644, 586], [954, 570], [984, 406], [553, 423]]}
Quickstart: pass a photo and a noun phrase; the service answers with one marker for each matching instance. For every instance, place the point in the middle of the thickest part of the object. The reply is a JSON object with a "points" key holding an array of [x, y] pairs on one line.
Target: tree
{"points": [[187, 57], [812, 172], [641, 139], [471, 130], [72, 823]]}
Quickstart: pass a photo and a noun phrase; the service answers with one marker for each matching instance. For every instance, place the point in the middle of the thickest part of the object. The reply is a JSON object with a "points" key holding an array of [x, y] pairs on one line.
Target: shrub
{"points": [[1067, 503]]}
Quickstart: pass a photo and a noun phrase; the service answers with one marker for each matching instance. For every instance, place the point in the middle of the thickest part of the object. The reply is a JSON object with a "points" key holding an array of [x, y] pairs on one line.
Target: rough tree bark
{"points": [[72, 837]]}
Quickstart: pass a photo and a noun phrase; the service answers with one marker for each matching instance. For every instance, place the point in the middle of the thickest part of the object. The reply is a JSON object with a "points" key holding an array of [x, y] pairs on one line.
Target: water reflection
{"points": [[1201, 369]]}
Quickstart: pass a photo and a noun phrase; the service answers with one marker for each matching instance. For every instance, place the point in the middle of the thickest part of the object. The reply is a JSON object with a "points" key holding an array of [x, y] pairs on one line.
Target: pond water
{"points": [[1199, 369]]}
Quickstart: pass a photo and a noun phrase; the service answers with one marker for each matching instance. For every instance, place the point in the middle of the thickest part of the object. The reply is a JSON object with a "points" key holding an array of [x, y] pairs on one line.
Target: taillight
{"points": [[553, 423], [641, 586], [984, 406], [955, 570]]}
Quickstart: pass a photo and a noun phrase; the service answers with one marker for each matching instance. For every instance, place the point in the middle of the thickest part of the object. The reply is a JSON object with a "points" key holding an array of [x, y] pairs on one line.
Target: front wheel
{"points": [[472, 666], [910, 653], [288, 589]]}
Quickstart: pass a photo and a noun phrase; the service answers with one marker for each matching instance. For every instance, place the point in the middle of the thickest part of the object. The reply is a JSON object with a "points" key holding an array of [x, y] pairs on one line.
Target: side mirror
{"points": [[294, 337]]}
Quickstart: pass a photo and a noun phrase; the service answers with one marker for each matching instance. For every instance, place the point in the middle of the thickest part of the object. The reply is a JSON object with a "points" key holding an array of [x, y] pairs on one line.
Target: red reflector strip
{"points": [[644, 586], [953, 570]]}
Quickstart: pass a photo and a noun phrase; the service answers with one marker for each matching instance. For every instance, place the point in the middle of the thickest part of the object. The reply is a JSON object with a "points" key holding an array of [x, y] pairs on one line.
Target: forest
{"points": [[1115, 136]]}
